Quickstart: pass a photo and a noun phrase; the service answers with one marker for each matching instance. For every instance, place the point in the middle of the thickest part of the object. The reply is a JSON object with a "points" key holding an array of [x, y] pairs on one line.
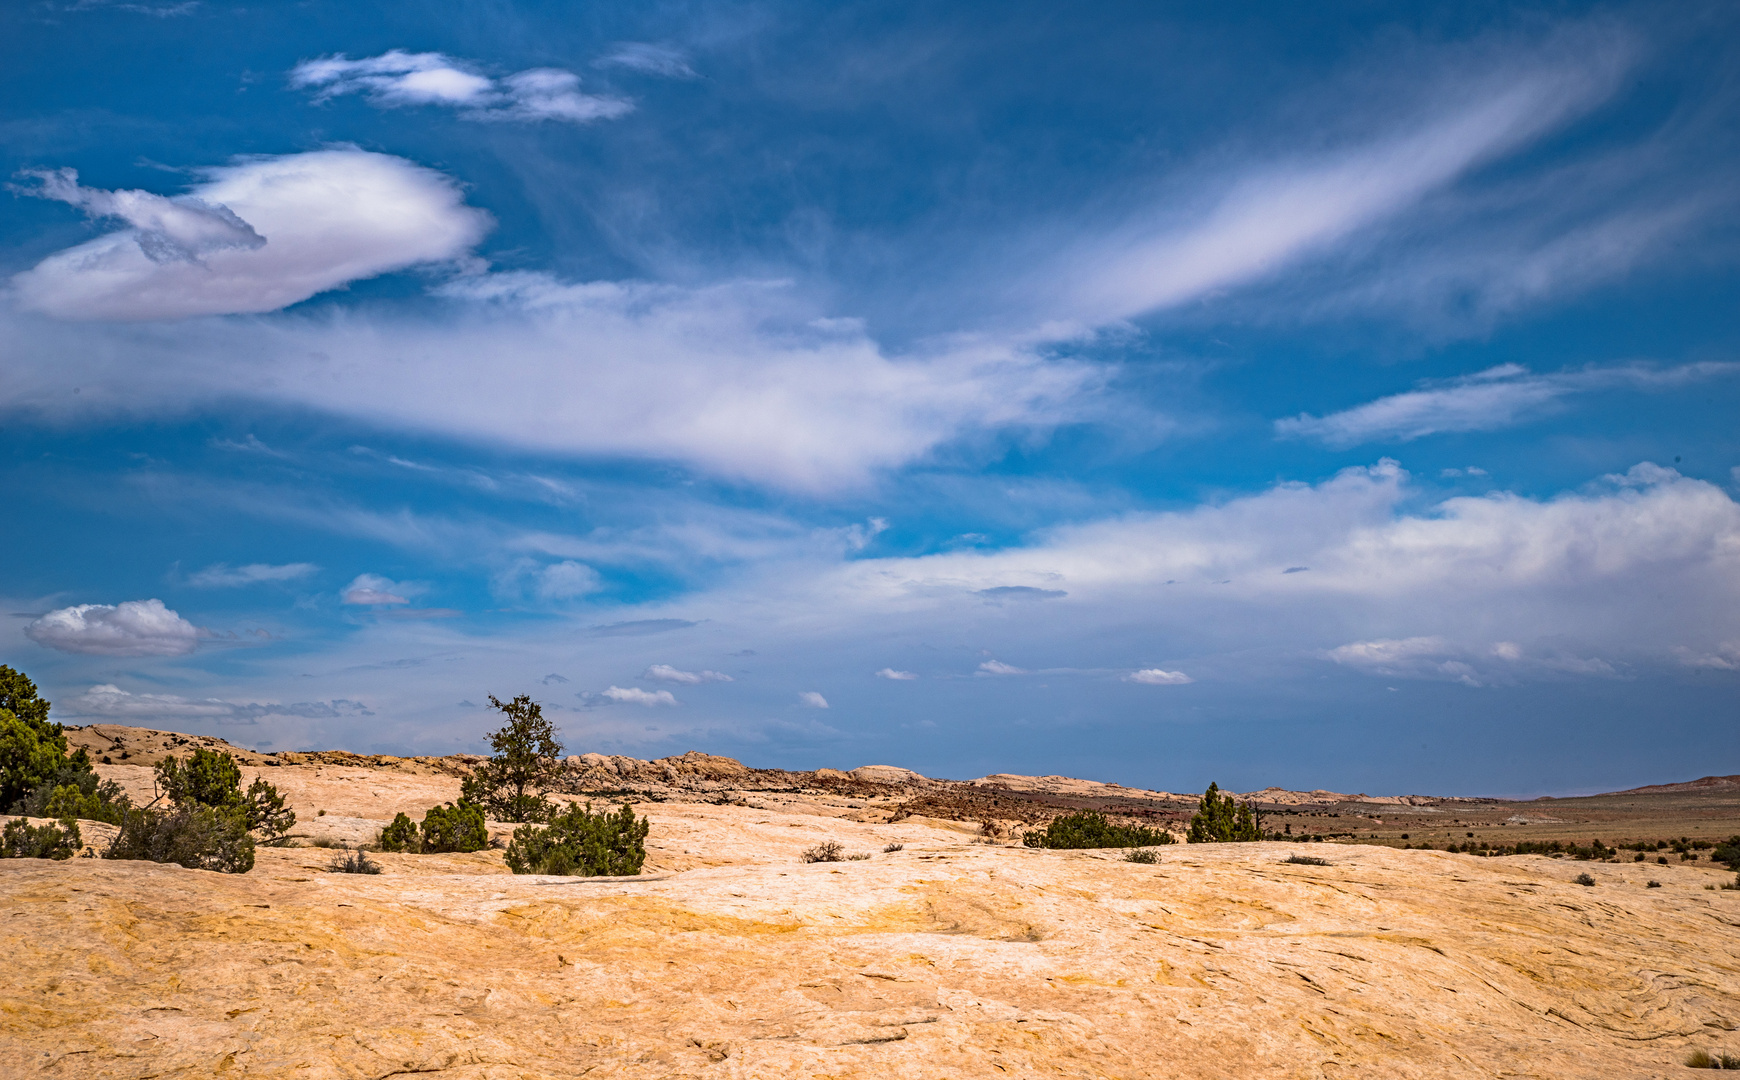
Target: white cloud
{"points": [[997, 667], [634, 695], [1436, 657], [898, 676], [132, 628], [567, 580], [1496, 398], [1158, 677], [397, 78], [652, 59], [109, 702], [1724, 657], [255, 236], [224, 576], [373, 590], [813, 700], [667, 673]]}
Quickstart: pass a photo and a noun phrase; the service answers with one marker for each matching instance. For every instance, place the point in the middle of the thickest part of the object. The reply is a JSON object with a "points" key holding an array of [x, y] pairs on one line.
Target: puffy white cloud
{"points": [[898, 676], [634, 695], [256, 235], [813, 700], [132, 628], [997, 667], [566, 580], [106, 701], [224, 576], [1158, 677], [398, 78], [649, 58], [667, 673], [373, 590], [1496, 398]]}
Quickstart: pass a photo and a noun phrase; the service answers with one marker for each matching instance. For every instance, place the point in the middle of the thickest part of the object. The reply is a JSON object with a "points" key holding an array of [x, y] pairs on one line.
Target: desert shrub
{"points": [[827, 851], [355, 862], [1662, 859], [1653, 885], [22, 840], [1305, 860], [401, 835], [1142, 855], [211, 778], [1220, 819], [1701, 1059], [449, 828], [1728, 853], [860, 857], [580, 843], [32, 748], [1735, 884], [889, 849], [191, 835], [1090, 829], [526, 757], [1583, 879]]}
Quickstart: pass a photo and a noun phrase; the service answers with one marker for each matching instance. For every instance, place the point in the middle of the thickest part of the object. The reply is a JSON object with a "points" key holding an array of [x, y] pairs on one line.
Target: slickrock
{"points": [[730, 957]]}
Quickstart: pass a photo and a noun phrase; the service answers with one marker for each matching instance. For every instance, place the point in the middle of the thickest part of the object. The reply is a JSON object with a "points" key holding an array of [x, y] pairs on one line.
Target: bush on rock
{"points": [[581, 843]]}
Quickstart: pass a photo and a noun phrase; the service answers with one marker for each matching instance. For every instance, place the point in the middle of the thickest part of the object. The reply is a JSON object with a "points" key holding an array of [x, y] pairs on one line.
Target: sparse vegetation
{"points": [[22, 840], [827, 851], [353, 862], [1583, 879], [1728, 853], [1221, 819], [1653, 885], [453, 828], [1305, 860], [1702, 1059], [1142, 855], [1090, 829], [401, 835], [526, 758], [197, 837], [861, 856], [581, 843], [891, 848], [211, 778]]}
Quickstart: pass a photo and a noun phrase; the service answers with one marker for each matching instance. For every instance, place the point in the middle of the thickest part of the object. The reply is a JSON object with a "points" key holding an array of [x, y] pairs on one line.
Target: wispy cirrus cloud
{"points": [[649, 58], [396, 79], [1496, 398], [107, 701], [667, 673], [225, 576]]}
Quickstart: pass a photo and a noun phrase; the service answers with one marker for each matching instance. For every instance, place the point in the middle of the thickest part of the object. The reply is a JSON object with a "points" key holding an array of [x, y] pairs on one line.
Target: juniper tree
{"points": [[526, 758], [1221, 819]]}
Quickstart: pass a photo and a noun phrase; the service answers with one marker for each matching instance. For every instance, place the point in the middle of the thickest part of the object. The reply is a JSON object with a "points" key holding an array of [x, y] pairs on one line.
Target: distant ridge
{"points": [[1690, 785]]}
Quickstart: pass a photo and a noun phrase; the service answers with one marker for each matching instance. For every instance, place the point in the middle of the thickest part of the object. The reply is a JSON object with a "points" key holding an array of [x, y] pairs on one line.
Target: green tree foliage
{"points": [[1090, 829], [74, 790], [454, 828], [22, 840], [32, 748], [581, 843], [1219, 819], [212, 779], [191, 835], [401, 835], [525, 758], [1728, 853]]}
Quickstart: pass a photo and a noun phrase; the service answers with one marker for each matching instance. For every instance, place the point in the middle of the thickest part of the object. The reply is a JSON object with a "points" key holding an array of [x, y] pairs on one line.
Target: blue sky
{"points": [[1340, 396]]}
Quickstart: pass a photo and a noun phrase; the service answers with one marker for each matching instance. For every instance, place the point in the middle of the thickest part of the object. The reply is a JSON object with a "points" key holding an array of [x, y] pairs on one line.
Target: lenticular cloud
{"points": [[257, 236], [133, 628]]}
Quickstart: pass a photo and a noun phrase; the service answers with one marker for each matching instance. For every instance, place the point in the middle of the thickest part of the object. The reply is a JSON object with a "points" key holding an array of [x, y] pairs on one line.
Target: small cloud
{"points": [[997, 667], [567, 580], [224, 576], [131, 628], [898, 676], [650, 58], [1475, 470], [1020, 592], [1158, 677], [552, 679], [813, 700], [634, 695], [667, 673], [1295, 569], [1507, 650], [110, 701], [1726, 657], [397, 79], [372, 590], [640, 627]]}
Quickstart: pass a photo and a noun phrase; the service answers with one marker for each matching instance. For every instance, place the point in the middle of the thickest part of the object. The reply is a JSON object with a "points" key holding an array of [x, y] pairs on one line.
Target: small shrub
{"points": [[450, 828], [889, 849], [1700, 1059], [197, 837], [1583, 879], [1219, 819], [580, 843], [401, 835], [865, 855], [1638, 857], [355, 862], [1305, 860], [1735, 884], [1653, 885], [828, 851], [1728, 853], [212, 779], [1142, 855], [22, 840], [1662, 860], [1090, 829]]}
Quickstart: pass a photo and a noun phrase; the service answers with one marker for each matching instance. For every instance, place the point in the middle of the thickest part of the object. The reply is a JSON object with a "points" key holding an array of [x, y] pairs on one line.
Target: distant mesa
{"points": [[1701, 784]]}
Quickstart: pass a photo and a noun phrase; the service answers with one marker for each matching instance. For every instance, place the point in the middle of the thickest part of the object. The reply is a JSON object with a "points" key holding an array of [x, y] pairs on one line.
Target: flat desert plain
{"points": [[953, 956]]}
